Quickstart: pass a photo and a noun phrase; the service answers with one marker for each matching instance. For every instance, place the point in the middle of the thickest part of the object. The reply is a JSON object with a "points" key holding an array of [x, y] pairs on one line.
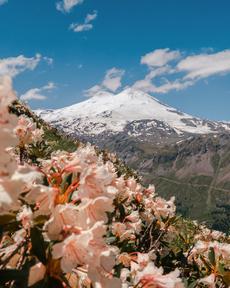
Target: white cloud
{"points": [[12, 66], [87, 25], [186, 71], [110, 83], [163, 76], [112, 80], [95, 90], [49, 60], [80, 27], [205, 65], [172, 85], [91, 17], [148, 86], [67, 5], [159, 57], [3, 2], [37, 93]]}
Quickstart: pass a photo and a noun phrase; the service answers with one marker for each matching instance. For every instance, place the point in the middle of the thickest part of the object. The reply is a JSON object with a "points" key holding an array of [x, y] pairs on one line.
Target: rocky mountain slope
{"points": [[183, 155]]}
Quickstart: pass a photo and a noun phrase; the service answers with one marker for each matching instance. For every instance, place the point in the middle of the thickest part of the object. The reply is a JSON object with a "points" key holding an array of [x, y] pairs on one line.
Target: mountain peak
{"points": [[135, 94], [112, 113]]}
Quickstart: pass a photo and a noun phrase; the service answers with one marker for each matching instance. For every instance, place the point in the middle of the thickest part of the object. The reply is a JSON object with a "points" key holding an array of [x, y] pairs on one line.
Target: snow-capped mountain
{"points": [[182, 155], [131, 111]]}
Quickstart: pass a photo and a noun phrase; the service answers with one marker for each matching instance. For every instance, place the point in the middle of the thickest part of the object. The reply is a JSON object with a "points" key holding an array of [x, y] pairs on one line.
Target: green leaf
{"points": [[38, 244], [66, 182], [192, 285], [211, 256], [221, 269], [122, 211], [117, 270]]}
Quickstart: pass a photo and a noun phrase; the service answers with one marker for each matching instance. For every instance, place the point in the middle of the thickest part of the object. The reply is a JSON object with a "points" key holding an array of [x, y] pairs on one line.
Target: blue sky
{"points": [[59, 61]]}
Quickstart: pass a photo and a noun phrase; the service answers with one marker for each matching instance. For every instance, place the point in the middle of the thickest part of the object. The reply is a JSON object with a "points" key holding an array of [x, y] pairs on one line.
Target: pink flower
{"points": [[5, 252], [18, 237], [7, 124], [25, 216], [29, 175], [152, 277], [134, 222], [37, 135], [209, 281], [163, 208], [27, 132], [94, 181], [225, 251], [133, 217], [118, 229], [125, 259], [133, 185], [150, 191], [44, 197], [125, 273], [97, 243], [135, 227], [24, 130], [9, 192], [121, 231], [7, 95], [102, 280], [81, 159], [73, 251], [101, 274], [64, 217], [36, 274], [139, 262], [92, 210]]}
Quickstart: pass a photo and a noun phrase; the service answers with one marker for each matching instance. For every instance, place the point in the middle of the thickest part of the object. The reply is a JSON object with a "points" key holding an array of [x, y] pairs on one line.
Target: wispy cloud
{"points": [[168, 70], [13, 66], [87, 25], [91, 17], [148, 86], [37, 93], [3, 2], [66, 6], [48, 60], [80, 27], [110, 83], [112, 80], [185, 70], [205, 65], [159, 57]]}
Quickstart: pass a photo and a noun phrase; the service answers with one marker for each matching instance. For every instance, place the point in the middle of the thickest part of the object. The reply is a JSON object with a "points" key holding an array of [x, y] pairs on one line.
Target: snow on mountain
{"points": [[113, 113]]}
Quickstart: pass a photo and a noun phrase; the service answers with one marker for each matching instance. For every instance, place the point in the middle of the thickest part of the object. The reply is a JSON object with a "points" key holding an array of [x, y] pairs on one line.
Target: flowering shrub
{"points": [[72, 221]]}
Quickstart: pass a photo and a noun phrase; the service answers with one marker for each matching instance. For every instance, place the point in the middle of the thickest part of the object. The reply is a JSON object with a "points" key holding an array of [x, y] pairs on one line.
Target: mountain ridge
{"points": [[112, 113]]}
